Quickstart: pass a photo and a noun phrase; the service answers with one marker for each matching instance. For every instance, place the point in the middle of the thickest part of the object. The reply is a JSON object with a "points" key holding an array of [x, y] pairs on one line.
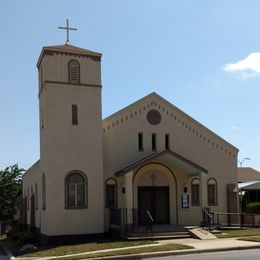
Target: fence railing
{"points": [[143, 217], [118, 219], [208, 218], [233, 219], [221, 219]]}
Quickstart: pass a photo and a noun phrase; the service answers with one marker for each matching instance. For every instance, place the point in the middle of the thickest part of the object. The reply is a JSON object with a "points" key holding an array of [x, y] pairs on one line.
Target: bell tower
{"points": [[71, 153]]}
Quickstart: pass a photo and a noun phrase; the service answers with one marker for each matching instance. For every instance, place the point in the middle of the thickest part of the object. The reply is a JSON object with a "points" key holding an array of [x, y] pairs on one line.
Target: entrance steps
{"points": [[158, 232]]}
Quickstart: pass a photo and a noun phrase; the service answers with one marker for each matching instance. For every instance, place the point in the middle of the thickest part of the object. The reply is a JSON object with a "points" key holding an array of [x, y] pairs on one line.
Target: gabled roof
{"points": [[157, 97], [247, 174], [32, 168], [168, 157], [69, 49]]}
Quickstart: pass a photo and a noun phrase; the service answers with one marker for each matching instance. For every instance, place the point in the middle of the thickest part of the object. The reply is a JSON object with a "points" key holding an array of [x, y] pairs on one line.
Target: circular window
{"points": [[153, 117]]}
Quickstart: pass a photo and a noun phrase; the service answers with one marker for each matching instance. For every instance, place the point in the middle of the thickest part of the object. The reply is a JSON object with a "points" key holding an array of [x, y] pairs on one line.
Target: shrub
{"points": [[23, 235], [28, 237], [15, 235], [253, 208]]}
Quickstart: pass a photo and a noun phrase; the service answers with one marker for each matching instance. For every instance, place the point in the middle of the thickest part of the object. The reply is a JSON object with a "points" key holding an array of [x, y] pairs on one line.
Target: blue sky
{"points": [[203, 56]]}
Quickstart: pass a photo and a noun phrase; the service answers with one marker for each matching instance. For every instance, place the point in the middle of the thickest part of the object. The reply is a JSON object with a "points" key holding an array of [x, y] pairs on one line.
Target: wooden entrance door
{"points": [[156, 200]]}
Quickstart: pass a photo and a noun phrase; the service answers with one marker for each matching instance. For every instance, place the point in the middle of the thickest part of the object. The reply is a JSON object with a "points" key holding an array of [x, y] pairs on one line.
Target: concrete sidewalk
{"points": [[216, 244], [200, 246]]}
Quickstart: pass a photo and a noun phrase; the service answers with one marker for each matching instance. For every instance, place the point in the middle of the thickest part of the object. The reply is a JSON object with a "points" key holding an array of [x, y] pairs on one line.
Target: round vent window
{"points": [[154, 117]]}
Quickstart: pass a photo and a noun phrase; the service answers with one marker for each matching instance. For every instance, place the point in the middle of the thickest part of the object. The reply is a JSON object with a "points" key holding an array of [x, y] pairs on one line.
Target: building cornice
{"points": [[66, 83], [68, 50]]}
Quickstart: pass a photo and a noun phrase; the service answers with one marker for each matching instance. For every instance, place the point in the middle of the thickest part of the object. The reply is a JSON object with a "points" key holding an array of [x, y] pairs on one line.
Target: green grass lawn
{"points": [[253, 239], [239, 233], [249, 234], [93, 246], [71, 249]]}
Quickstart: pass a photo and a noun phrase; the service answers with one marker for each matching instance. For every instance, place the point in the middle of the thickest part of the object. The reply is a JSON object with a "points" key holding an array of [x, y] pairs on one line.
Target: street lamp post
{"points": [[241, 162], [241, 194]]}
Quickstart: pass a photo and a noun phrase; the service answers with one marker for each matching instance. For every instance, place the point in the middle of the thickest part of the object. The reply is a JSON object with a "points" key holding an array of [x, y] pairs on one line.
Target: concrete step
{"points": [[157, 235]]}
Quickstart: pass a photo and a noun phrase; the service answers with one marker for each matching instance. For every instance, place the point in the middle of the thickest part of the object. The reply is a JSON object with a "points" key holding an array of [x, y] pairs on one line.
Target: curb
{"points": [[177, 252], [147, 255], [7, 251]]}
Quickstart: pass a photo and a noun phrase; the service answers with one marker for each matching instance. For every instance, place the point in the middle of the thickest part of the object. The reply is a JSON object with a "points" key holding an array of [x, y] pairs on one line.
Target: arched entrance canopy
{"points": [[169, 158], [144, 194]]}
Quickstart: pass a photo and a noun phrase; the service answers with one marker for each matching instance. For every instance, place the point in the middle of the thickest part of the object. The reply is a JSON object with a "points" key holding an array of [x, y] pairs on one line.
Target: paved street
{"points": [[2, 255], [252, 254]]}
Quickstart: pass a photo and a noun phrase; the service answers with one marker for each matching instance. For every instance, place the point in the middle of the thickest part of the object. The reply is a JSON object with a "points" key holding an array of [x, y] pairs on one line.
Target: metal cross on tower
{"points": [[67, 28]]}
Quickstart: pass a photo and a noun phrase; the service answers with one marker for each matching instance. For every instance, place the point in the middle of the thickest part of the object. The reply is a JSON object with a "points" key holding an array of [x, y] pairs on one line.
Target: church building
{"points": [[148, 158]]}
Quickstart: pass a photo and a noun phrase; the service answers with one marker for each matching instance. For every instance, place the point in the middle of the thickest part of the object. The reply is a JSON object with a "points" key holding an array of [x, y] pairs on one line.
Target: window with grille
{"points": [[140, 142], [74, 112], [28, 197], [195, 192], [36, 196], [154, 142], [76, 190], [111, 193], [167, 141], [74, 72], [212, 192], [43, 192]]}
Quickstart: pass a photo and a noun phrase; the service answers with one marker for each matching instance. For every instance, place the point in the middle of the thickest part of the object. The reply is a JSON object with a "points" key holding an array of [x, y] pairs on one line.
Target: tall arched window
{"points": [[76, 190], [212, 192], [43, 192], [36, 196], [195, 192], [74, 72], [111, 193]]}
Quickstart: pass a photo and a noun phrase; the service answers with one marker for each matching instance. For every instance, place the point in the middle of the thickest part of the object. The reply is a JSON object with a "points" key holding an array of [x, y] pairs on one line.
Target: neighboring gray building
{"points": [[249, 184]]}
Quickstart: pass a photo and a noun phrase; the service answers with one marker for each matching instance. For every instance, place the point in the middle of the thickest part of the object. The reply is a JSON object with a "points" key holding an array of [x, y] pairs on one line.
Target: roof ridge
{"points": [[69, 46], [154, 94], [68, 49]]}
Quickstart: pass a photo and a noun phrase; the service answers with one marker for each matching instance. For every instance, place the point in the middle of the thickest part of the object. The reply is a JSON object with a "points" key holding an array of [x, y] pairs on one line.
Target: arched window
{"points": [[76, 190], [195, 192], [28, 199], [212, 192], [36, 196], [43, 192], [111, 193], [74, 72]]}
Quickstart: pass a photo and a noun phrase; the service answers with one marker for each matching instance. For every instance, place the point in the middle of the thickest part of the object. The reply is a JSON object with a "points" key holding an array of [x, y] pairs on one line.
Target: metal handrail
{"points": [[150, 216], [149, 225], [207, 213], [229, 213], [211, 218]]}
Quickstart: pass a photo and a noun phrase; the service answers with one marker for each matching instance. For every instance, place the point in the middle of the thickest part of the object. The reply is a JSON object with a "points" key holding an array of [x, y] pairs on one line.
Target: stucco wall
{"points": [[30, 179], [66, 147], [188, 138], [90, 149]]}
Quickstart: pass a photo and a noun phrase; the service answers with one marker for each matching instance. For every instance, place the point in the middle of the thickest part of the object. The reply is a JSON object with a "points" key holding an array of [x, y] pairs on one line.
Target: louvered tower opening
{"points": [[74, 72]]}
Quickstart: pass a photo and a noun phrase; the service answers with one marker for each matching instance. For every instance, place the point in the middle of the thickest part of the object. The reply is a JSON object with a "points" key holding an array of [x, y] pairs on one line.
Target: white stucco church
{"points": [[149, 156]]}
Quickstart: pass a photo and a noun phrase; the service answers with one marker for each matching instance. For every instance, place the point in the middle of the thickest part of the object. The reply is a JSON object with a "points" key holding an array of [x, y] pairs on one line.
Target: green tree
{"points": [[10, 191]]}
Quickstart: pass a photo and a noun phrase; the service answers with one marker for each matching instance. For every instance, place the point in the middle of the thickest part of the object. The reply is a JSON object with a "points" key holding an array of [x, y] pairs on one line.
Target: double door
{"points": [[156, 201]]}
